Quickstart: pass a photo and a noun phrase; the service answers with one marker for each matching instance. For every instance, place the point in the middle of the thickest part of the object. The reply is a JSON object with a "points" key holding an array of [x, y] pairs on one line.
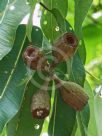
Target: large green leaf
{"points": [[30, 20], [58, 122], [98, 112], [79, 17], [10, 59], [15, 76], [83, 117], [93, 47], [13, 16], [12, 90], [49, 25], [23, 124], [78, 76], [62, 119], [3, 4], [83, 120], [78, 72], [92, 122]]}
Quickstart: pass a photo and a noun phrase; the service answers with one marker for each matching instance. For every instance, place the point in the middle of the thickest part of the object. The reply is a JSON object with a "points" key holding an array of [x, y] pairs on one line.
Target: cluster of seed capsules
{"points": [[73, 94]]}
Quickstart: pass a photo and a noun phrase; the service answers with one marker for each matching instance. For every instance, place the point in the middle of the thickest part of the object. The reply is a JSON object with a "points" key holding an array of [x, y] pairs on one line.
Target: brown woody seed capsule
{"points": [[35, 59], [40, 106], [72, 94], [64, 47]]}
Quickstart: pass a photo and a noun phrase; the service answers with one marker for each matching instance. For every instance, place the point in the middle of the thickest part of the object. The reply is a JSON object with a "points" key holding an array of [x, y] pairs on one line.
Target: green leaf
{"points": [[92, 122], [60, 20], [29, 26], [82, 51], [14, 77], [23, 124], [51, 21], [61, 70], [3, 7], [13, 16], [10, 59], [12, 91], [78, 71], [74, 129], [58, 123], [93, 47], [3, 4], [98, 112], [63, 118], [83, 120], [30, 20], [30, 1], [79, 17], [37, 37], [78, 76]]}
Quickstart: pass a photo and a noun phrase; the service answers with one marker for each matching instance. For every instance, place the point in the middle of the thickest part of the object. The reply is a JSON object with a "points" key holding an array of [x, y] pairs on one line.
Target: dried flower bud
{"points": [[64, 47], [40, 106], [72, 94], [35, 58]]}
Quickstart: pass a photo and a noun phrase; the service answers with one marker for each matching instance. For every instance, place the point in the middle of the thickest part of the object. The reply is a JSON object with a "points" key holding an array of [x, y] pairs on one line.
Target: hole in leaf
{"points": [[80, 42], [45, 12], [37, 126], [99, 90], [70, 28], [57, 28], [49, 40], [12, 7], [47, 119], [5, 72], [45, 23], [37, 29], [27, 3]]}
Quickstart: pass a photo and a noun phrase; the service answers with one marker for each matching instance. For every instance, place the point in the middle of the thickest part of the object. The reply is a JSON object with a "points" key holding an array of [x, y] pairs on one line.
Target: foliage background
{"points": [[92, 31]]}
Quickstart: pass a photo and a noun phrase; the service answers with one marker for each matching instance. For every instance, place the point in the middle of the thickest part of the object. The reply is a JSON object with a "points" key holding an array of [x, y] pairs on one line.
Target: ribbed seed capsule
{"points": [[35, 58], [40, 106], [72, 94], [64, 47]]}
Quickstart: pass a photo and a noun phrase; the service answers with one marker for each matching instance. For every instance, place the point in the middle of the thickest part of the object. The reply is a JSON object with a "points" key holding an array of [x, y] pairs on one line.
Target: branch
{"points": [[44, 6]]}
